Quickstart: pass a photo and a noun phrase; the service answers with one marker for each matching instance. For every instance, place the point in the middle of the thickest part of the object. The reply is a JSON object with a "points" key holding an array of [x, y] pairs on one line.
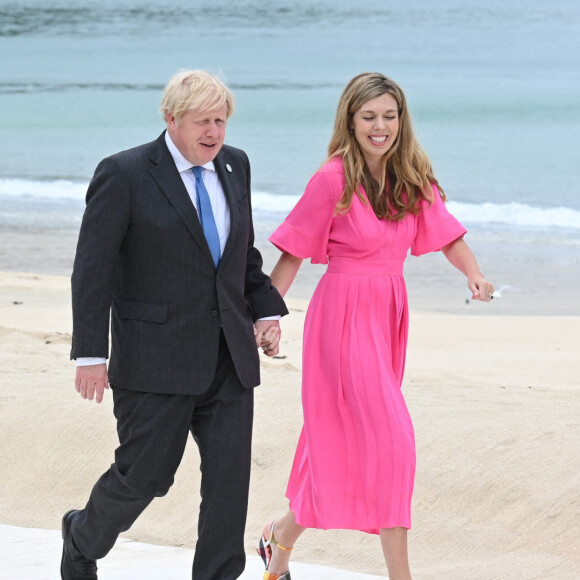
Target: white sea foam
{"points": [[511, 214], [516, 214], [267, 202], [58, 189]]}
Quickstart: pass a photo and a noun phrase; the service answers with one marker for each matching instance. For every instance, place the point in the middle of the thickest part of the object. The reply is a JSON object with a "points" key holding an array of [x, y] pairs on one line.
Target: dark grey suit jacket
{"points": [[142, 260]]}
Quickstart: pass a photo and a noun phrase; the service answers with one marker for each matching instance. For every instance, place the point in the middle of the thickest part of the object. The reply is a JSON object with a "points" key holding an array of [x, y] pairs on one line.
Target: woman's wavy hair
{"points": [[407, 174]]}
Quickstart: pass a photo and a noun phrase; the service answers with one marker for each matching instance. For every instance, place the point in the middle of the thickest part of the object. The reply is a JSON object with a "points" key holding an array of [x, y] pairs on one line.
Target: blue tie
{"points": [[206, 215]]}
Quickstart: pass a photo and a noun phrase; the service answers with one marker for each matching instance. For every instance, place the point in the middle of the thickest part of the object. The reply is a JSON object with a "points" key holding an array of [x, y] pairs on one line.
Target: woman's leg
{"points": [[394, 544], [286, 532]]}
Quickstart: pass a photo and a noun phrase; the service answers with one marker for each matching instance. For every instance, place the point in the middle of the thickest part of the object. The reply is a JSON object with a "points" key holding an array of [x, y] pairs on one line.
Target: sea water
{"points": [[493, 88]]}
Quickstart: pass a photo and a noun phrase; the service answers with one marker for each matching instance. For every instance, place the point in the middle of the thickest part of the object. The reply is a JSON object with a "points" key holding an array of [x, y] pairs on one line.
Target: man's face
{"points": [[199, 135]]}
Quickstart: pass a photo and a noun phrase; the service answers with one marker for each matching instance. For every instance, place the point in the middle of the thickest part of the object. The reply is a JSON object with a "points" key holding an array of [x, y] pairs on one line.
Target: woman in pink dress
{"points": [[374, 199]]}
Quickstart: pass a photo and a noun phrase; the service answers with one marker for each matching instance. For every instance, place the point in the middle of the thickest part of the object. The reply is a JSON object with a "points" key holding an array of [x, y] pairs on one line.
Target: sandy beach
{"points": [[493, 389], [494, 399]]}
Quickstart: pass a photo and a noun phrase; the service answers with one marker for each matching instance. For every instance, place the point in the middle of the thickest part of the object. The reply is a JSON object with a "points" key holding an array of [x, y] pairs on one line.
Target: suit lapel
{"points": [[167, 177], [231, 185]]}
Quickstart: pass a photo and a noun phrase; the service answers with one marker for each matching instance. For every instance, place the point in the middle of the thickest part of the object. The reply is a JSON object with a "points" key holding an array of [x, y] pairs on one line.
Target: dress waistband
{"points": [[364, 267]]}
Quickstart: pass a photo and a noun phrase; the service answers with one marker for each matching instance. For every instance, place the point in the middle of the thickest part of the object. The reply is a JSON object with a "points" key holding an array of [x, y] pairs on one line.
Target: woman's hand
{"points": [[460, 255], [480, 288]]}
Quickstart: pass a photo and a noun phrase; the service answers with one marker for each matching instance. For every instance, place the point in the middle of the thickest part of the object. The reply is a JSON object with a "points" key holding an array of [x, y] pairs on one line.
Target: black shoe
{"points": [[74, 566]]}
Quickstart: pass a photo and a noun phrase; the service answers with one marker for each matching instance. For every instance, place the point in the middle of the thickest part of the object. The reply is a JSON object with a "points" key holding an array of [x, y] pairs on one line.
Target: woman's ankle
{"points": [[287, 531]]}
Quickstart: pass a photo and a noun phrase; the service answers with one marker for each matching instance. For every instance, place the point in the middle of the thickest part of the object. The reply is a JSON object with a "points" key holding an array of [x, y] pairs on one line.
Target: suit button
{"points": [[214, 312]]}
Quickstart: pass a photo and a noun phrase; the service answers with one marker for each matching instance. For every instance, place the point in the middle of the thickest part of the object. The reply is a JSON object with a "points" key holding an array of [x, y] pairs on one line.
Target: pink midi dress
{"points": [[354, 465]]}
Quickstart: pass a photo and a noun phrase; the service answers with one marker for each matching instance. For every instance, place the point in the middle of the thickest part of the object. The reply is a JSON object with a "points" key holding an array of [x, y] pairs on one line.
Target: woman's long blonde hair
{"points": [[407, 174]]}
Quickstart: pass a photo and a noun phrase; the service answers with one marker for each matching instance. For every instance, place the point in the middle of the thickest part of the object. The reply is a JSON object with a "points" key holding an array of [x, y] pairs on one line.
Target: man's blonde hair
{"points": [[195, 90]]}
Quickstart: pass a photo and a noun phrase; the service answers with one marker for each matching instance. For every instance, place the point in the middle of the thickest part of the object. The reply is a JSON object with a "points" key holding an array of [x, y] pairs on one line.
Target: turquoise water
{"points": [[493, 87]]}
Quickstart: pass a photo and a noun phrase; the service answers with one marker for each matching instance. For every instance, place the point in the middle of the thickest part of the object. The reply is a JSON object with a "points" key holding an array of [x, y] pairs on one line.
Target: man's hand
{"points": [[91, 381], [268, 336]]}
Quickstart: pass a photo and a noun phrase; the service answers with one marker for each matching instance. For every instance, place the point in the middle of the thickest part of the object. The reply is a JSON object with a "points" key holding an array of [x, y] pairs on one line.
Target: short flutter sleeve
{"points": [[306, 230], [436, 227]]}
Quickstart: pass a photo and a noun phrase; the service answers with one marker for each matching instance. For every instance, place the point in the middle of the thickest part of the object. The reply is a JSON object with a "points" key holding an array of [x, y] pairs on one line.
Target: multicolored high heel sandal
{"points": [[264, 550]]}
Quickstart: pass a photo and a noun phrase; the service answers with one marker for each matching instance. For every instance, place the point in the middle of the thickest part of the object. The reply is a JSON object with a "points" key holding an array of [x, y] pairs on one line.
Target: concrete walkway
{"points": [[34, 554]]}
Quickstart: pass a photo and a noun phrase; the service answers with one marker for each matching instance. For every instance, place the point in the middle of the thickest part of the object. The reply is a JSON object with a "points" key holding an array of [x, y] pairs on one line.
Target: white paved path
{"points": [[34, 554]]}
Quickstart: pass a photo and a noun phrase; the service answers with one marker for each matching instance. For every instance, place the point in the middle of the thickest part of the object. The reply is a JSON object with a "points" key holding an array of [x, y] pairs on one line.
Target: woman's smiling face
{"points": [[375, 127]]}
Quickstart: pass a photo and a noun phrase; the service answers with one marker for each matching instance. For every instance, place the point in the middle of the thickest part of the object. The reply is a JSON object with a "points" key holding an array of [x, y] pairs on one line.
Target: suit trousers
{"points": [[153, 430]]}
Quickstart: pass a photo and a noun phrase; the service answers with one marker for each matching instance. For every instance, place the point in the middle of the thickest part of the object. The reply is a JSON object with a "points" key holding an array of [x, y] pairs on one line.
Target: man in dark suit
{"points": [[166, 253]]}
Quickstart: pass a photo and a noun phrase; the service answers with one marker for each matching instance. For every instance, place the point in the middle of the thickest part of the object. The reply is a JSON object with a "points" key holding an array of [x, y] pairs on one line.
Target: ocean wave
{"points": [[138, 17], [13, 88], [515, 214], [57, 189], [511, 214]]}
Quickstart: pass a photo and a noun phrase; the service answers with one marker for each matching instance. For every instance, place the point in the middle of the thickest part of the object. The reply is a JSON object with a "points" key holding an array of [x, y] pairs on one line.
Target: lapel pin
{"points": [[229, 167]]}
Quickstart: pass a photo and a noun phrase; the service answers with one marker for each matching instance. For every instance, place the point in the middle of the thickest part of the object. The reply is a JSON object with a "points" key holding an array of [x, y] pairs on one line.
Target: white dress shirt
{"points": [[217, 197]]}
